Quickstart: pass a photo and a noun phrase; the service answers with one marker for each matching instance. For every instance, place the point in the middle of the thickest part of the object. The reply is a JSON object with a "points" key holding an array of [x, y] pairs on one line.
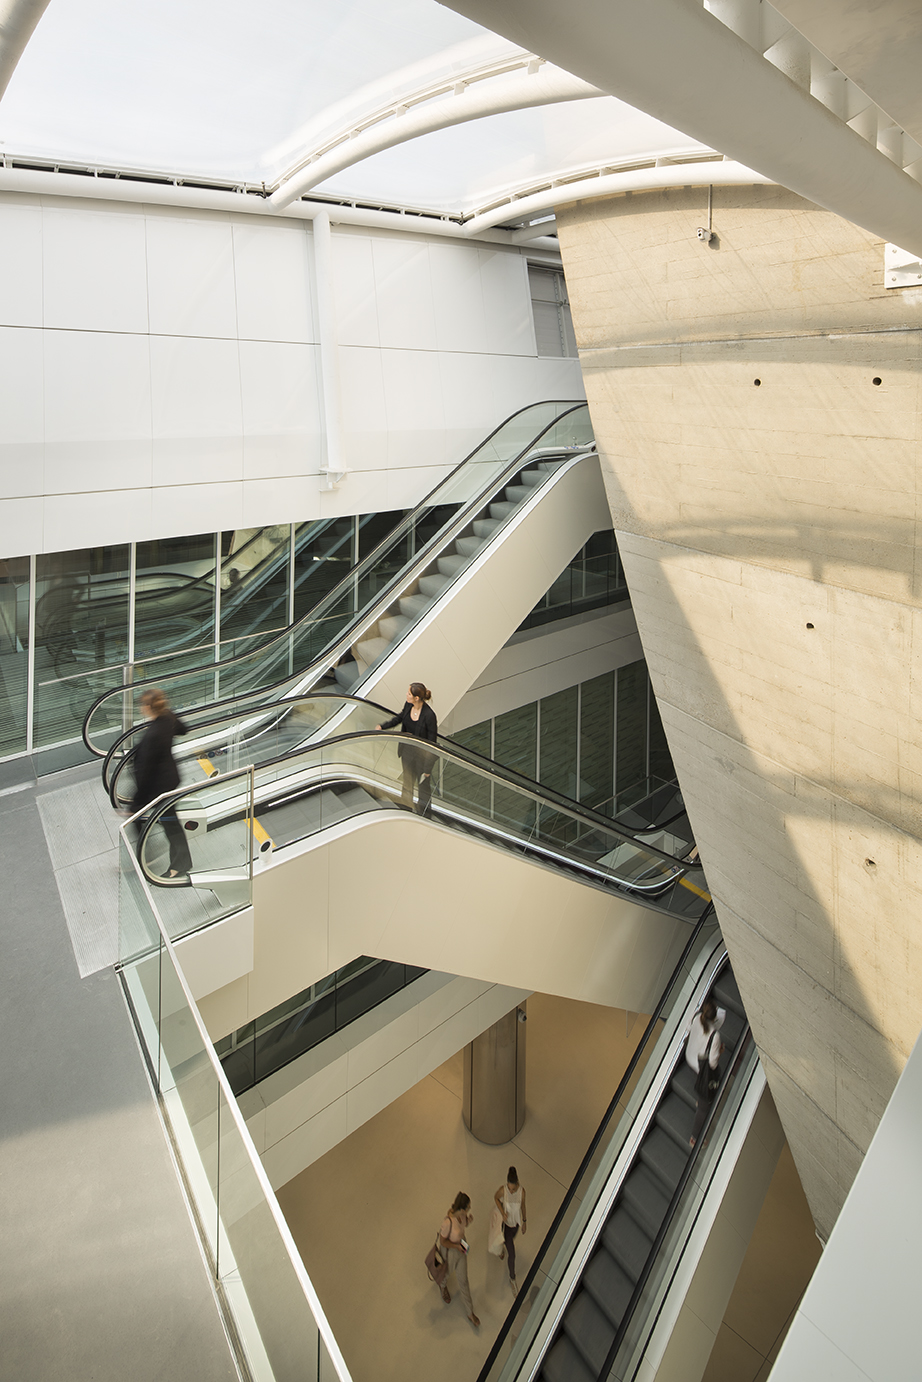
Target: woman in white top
{"points": [[703, 1044], [510, 1201]]}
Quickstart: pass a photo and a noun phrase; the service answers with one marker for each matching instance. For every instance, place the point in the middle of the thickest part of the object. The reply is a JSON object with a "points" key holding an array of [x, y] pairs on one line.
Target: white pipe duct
{"points": [[715, 174], [18, 19], [519, 91]]}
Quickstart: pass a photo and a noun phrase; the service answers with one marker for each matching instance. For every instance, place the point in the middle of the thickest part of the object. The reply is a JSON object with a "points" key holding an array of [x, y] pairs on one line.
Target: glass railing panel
{"points": [[199, 851], [278, 1321], [620, 1126], [305, 792], [242, 737], [295, 652]]}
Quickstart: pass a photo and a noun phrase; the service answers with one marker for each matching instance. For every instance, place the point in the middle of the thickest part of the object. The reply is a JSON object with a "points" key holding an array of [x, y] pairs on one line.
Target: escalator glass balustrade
{"points": [[349, 633], [599, 1280], [237, 821]]}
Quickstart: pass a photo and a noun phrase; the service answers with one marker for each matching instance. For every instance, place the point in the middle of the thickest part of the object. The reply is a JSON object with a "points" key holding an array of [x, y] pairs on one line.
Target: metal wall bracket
{"points": [[902, 268]]}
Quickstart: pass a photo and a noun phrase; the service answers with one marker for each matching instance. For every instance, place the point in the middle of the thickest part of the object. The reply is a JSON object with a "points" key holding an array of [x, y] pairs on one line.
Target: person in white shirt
{"points": [[703, 1044], [510, 1201]]}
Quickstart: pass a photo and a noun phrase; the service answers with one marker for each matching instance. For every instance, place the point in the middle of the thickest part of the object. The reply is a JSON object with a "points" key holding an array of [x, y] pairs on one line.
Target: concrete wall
{"points": [[159, 368], [769, 531]]}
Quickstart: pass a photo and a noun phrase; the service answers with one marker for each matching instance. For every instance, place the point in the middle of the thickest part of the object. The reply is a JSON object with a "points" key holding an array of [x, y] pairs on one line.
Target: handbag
{"points": [[436, 1265], [495, 1240], [708, 1079]]}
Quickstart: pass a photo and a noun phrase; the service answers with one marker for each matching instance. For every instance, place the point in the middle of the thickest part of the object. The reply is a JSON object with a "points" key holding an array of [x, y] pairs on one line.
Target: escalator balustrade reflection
{"points": [[376, 606]]}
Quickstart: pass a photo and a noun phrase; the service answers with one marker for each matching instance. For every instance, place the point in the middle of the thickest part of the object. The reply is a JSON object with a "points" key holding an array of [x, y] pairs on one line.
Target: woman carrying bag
{"points": [[703, 1049], [452, 1249]]}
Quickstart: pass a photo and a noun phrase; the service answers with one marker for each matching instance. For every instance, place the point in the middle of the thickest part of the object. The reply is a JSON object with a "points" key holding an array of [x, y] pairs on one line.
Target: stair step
{"points": [[675, 1117], [683, 1084], [666, 1159], [370, 649], [726, 994], [564, 1364], [515, 494], [413, 605], [347, 675], [532, 478], [432, 585], [468, 546], [501, 509], [393, 625], [643, 1196], [627, 1243], [590, 1329], [452, 564], [483, 527], [609, 1287]]}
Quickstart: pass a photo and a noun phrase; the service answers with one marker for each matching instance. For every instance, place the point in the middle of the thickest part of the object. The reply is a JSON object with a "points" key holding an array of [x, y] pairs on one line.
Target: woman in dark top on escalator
{"points": [[417, 718], [155, 772]]}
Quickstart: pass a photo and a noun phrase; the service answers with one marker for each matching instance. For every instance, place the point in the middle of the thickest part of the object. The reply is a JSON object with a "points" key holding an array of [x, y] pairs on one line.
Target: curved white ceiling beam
{"points": [[516, 84], [717, 174], [680, 64], [18, 19]]}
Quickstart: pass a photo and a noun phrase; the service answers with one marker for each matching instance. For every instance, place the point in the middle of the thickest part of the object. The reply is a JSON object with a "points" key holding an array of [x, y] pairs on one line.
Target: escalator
{"points": [[247, 819], [594, 1294], [494, 502], [175, 610]]}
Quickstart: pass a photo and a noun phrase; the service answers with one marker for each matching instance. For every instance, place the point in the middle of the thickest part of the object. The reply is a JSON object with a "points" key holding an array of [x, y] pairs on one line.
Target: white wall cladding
{"points": [[159, 369]]}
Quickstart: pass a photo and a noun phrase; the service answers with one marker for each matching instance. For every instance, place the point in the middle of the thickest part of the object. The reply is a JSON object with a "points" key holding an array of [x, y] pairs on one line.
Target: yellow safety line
{"points": [[260, 832], [207, 767], [692, 889]]}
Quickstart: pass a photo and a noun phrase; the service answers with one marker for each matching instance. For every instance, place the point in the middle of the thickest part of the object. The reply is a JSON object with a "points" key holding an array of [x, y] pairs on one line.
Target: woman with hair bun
{"points": [[454, 1246], [155, 772], [417, 718]]}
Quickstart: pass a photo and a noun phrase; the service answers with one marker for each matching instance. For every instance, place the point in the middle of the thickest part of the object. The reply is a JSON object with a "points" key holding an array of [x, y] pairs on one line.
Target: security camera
{"points": [[523, 1017], [706, 235]]}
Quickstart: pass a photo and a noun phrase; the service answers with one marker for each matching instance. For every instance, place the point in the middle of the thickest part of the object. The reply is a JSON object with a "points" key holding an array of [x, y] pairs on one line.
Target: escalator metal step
{"points": [[501, 509], [432, 585], [675, 1117], [643, 1197], [485, 527], [727, 995], [516, 493], [591, 1331], [683, 1084], [393, 625], [665, 1158], [451, 565], [564, 1364], [531, 478], [627, 1243], [413, 605], [609, 1287], [370, 649], [469, 546]]}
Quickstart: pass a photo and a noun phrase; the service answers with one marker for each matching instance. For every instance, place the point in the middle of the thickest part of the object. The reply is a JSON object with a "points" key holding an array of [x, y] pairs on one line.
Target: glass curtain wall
{"points": [[73, 623], [595, 742], [594, 579]]}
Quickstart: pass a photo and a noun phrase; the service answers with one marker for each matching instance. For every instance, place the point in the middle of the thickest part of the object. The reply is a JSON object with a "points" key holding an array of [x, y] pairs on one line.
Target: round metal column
{"points": [[493, 1102]]}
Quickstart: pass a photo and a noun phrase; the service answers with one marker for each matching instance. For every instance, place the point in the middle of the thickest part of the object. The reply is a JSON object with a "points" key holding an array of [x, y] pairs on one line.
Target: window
{"points": [[551, 310]]}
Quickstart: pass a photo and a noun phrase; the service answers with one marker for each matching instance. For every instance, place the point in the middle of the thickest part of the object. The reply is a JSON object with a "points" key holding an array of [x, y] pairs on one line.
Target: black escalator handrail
{"points": [[646, 1271], [445, 753], [368, 560], [452, 749], [532, 1275]]}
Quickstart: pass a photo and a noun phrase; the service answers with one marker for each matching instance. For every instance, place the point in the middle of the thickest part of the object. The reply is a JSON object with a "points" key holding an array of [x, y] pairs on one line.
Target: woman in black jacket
{"points": [[417, 718], [155, 772]]}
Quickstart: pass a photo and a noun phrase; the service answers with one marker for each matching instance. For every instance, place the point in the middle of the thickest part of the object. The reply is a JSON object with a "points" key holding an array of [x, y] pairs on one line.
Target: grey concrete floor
{"points": [[101, 1276]]}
